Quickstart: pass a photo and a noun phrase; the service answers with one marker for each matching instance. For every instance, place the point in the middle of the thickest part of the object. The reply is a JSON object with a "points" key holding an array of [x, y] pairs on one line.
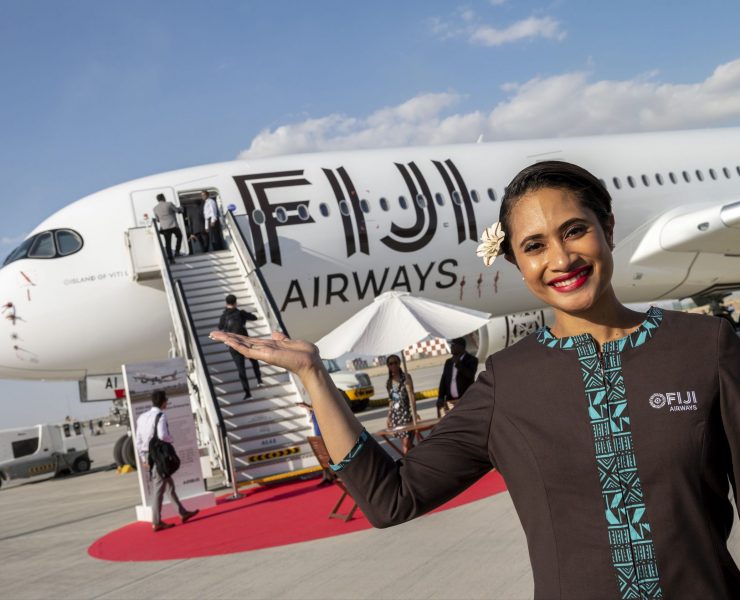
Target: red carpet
{"points": [[267, 516]]}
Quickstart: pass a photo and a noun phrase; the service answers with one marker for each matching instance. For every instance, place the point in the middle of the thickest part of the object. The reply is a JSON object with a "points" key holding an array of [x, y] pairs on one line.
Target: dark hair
{"points": [[460, 341], [159, 398], [400, 368], [160, 198], [559, 175], [231, 299]]}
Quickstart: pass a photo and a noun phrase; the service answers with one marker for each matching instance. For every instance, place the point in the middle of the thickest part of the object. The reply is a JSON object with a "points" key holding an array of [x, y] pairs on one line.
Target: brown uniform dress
{"points": [[618, 461]]}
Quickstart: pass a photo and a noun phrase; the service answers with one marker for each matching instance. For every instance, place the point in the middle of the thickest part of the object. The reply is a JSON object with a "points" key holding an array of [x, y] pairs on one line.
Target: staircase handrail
{"points": [[261, 290], [209, 399], [250, 264], [178, 312]]}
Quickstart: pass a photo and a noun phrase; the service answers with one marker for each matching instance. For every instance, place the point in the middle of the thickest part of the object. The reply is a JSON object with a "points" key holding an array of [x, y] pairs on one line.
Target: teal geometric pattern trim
{"points": [[354, 451], [630, 536]]}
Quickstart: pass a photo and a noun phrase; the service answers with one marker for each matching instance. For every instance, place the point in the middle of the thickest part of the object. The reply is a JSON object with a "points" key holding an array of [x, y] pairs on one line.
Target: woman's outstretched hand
{"points": [[294, 355]]}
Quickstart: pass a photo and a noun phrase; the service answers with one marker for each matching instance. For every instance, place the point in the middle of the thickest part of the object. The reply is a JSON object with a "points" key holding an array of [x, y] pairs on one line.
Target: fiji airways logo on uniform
{"points": [[675, 401]]}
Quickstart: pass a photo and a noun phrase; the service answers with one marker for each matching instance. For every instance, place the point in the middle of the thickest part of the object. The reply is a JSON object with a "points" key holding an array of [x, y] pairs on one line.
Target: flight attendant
{"points": [[617, 432]]}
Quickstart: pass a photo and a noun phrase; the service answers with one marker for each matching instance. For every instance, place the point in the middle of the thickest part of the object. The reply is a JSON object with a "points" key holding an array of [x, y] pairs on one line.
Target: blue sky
{"points": [[95, 93]]}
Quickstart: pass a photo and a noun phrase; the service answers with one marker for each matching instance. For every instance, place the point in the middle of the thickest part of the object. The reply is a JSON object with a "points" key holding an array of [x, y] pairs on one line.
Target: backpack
{"points": [[234, 322], [162, 454]]}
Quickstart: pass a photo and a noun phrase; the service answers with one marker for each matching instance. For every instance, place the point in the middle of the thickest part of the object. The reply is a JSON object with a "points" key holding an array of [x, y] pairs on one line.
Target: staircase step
{"points": [[242, 449], [257, 406], [303, 459]]}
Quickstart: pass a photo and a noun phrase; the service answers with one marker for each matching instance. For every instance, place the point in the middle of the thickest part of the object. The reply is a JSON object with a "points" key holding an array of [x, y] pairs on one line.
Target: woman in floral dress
{"points": [[401, 400]]}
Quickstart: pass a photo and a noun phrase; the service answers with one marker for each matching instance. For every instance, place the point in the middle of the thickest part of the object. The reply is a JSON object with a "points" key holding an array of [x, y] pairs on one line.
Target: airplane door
{"points": [[143, 202]]}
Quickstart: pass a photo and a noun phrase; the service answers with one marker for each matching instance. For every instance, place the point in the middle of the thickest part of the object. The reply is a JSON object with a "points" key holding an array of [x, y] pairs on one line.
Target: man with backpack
{"points": [[152, 434], [233, 320]]}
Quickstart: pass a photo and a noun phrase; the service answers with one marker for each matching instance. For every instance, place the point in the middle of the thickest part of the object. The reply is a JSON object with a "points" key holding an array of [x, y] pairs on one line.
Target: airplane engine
{"points": [[502, 332]]}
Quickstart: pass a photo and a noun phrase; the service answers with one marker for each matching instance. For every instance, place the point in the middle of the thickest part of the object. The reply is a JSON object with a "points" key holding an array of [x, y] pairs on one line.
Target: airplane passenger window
{"points": [[324, 209], [439, 198], [659, 178], [645, 180], [617, 183], [474, 196], [456, 197], [699, 175], [384, 204], [686, 176], [421, 201], [258, 217], [68, 242], [726, 171], [344, 207], [631, 180], [364, 206], [672, 177], [303, 212], [281, 215], [402, 203], [713, 173], [492, 194], [43, 246]]}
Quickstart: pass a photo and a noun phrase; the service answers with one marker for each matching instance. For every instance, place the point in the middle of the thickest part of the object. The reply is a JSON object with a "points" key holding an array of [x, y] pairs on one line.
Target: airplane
{"points": [[155, 379], [330, 231]]}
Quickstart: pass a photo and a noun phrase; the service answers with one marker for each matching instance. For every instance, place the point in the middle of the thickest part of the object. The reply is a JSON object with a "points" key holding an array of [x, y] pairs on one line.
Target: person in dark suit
{"points": [[457, 376]]}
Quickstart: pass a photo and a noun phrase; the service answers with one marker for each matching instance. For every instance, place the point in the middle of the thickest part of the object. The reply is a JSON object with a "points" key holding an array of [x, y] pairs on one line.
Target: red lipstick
{"points": [[571, 281]]}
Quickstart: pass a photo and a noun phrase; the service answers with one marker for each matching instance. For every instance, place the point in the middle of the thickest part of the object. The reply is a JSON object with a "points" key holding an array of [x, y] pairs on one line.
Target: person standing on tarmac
{"points": [[144, 433], [233, 320]]}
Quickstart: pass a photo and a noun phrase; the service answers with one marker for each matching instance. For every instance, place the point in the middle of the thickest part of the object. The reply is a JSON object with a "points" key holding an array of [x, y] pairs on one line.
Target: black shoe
{"points": [[189, 515], [161, 526], [172, 261], [247, 396]]}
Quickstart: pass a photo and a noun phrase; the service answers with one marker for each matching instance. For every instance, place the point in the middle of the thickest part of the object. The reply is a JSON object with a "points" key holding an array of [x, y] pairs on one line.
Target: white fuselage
{"points": [[83, 314]]}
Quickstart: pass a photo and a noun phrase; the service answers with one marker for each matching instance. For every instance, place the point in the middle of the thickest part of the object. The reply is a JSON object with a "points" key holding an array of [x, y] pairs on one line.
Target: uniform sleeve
{"points": [[728, 357], [222, 322], [453, 457], [249, 316]]}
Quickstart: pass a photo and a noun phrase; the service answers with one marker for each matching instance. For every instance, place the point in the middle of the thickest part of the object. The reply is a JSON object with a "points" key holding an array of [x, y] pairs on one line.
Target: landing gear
{"points": [[129, 452], [118, 450]]}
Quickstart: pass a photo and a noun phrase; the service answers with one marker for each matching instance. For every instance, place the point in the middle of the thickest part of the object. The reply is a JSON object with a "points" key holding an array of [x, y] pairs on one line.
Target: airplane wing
{"points": [[710, 230]]}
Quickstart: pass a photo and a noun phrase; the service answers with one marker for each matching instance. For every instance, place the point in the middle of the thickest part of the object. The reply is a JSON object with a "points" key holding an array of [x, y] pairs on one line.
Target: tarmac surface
{"points": [[474, 551]]}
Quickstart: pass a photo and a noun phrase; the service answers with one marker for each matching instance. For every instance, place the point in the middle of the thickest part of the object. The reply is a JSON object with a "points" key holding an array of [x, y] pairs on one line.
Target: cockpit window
{"points": [[68, 241], [43, 246], [47, 244]]}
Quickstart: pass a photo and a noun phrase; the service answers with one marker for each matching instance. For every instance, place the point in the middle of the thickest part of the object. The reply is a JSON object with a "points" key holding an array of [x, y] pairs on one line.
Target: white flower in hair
{"points": [[492, 239]]}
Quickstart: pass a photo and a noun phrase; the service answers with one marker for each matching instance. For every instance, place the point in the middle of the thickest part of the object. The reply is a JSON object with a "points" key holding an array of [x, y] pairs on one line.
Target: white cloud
{"points": [[561, 105], [533, 27], [465, 25]]}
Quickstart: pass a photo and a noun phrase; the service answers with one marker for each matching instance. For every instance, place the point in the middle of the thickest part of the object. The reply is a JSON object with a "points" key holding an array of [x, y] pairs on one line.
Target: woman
{"points": [[616, 432], [401, 400]]}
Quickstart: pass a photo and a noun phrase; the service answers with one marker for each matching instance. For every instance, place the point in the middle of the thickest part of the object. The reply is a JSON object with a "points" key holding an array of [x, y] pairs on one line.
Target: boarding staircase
{"points": [[250, 440]]}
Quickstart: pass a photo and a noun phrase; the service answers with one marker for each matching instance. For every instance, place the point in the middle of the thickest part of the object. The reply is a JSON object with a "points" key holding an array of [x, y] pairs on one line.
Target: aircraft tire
{"points": [[128, 452], [118, 450], [82, 464]]}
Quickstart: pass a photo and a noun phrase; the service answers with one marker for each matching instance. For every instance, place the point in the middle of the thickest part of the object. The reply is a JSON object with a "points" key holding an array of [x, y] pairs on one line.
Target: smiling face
{"points": [[562, 250]]}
